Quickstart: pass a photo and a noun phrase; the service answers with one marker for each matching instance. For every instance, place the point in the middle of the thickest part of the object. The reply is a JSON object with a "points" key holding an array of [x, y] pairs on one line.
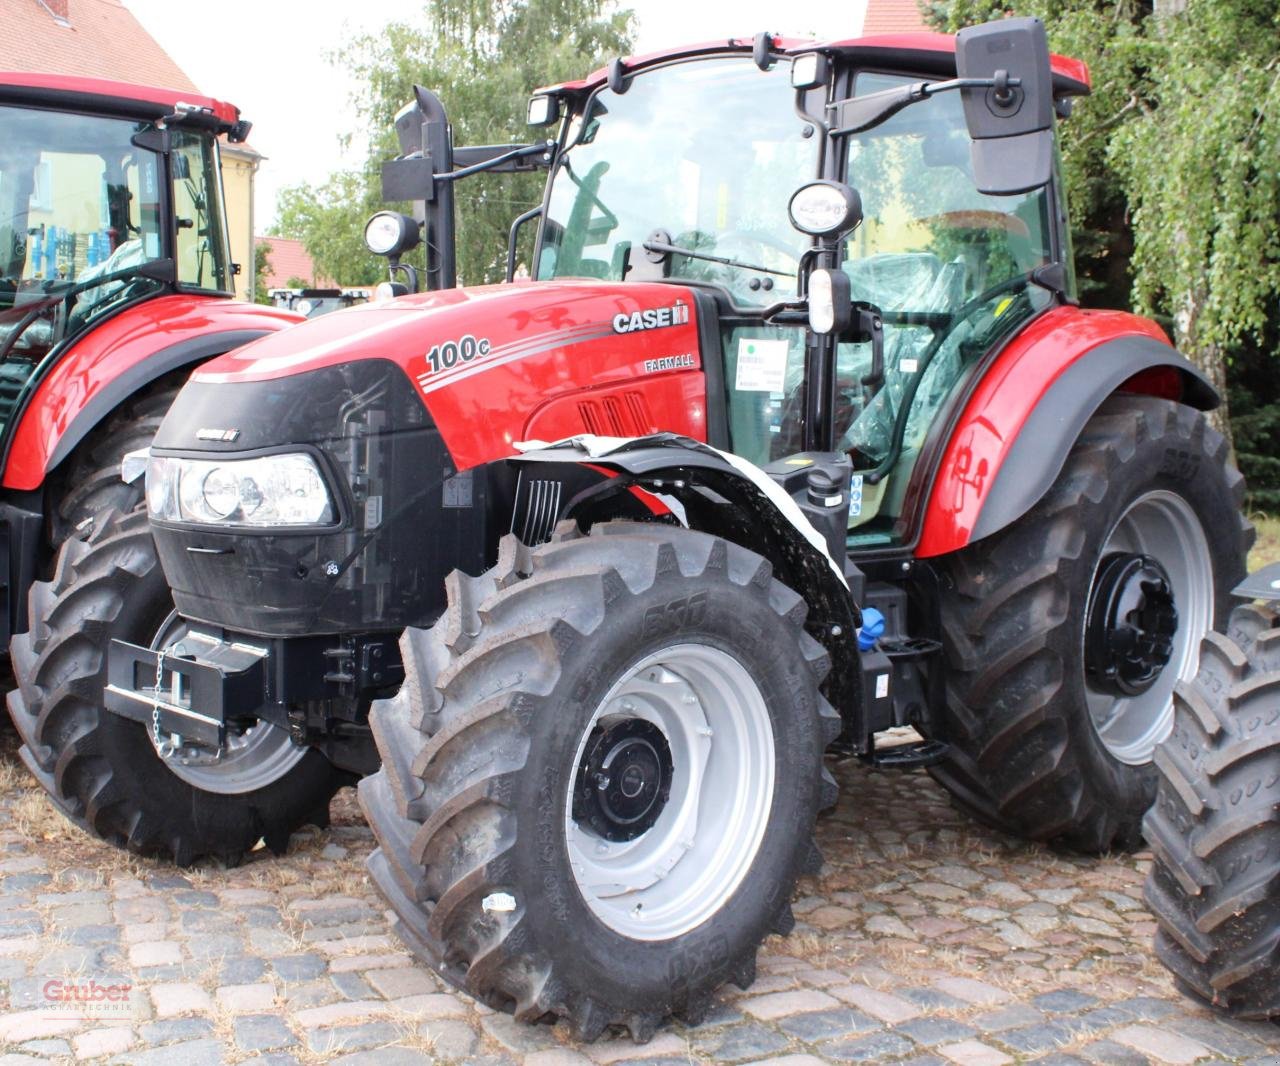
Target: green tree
{"points": [[1172, 163], [1202, 172], [329, 219], [483, 57], [261, 271]]}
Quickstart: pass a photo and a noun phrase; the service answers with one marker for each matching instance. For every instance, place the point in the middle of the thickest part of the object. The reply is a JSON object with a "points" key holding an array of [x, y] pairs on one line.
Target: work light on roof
{"points": [[543, 110], [808, 71]]}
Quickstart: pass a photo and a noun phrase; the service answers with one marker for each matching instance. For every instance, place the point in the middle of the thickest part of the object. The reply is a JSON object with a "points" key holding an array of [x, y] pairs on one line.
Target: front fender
{"points": [[714, 492], [1014, 434], [101, 369]]}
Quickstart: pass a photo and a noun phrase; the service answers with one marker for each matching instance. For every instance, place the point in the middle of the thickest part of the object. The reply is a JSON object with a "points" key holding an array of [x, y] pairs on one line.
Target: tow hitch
{"points": [[184, 693]]}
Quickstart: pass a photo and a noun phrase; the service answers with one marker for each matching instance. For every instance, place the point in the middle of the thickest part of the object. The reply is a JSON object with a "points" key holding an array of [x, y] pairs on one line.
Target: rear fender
{"points": [[678, 480], [106, 366], [1013, 437]]}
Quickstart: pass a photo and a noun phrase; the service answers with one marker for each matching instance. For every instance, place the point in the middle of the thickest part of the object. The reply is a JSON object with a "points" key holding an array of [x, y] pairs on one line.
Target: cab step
{"points": [[909, 756]]}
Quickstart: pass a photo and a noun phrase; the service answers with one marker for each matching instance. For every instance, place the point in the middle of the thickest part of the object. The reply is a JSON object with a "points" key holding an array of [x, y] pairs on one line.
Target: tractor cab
{"points": [[960, 238], [103, 203]]}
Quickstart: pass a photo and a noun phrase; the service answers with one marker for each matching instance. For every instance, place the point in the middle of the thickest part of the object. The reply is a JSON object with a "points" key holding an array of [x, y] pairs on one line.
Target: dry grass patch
{"points": [[1266, 549]]}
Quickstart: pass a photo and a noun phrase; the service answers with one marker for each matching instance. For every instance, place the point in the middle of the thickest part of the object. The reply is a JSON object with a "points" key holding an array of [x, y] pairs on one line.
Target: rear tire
{"points": [[1214, 887], [485, 853], [1027, 753], [103, 771]]}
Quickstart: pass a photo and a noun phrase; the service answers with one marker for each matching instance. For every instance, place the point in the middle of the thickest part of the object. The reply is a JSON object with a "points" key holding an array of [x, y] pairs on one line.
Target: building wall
{"points": [[238, 169]]}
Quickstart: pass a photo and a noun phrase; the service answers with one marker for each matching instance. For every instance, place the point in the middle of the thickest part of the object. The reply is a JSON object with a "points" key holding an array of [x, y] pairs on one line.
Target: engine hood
{"points": [[498, 364], [407, 329]]}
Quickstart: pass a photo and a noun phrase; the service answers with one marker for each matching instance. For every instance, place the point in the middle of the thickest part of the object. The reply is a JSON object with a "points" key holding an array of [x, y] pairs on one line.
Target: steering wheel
{"points": [[978, 219]]}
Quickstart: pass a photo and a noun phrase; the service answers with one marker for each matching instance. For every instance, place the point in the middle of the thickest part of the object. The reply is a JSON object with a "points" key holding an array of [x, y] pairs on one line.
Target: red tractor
{"points": [[115, 281], [797, 437]]}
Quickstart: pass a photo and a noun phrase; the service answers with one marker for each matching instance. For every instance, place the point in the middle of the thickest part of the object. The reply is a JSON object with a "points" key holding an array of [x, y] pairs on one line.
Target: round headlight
{"points": [[221, 491], [825, 209], [390, 233]]}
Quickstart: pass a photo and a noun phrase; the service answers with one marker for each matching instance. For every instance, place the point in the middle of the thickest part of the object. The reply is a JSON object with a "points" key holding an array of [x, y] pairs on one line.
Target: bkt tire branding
{"points": [[651, 318]]}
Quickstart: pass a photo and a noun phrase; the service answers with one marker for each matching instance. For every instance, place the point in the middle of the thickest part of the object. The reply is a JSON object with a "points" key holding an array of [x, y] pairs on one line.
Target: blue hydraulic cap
{"points": [[872, 628]]}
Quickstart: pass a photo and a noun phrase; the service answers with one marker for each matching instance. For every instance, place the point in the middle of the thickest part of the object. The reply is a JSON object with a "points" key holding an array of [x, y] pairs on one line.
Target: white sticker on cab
{"points": [[762, 365]]}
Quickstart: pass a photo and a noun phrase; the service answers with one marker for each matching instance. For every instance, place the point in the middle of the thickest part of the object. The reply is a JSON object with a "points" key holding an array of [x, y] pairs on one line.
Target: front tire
{"points": [[91, 485], [537, 812], [103, 771], [1052, 729], [1214, 887]]}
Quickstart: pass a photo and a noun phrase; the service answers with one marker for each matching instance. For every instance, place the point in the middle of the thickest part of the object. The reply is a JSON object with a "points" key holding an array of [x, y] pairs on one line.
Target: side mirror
{"points": [[1011, 124]]}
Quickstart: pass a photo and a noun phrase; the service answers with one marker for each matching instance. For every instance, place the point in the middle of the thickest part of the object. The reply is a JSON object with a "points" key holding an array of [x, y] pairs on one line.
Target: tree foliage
{"points": [[482, 57], [1172, 162], [261, 271], [1201, 167]]}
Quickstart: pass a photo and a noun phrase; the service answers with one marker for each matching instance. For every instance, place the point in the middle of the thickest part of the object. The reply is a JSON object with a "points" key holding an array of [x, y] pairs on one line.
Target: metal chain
{"points": [[163, 747]]}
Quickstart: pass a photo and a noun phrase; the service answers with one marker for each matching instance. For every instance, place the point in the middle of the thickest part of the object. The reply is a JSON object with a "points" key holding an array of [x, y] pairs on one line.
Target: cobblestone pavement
{"points": [[925, 940]]}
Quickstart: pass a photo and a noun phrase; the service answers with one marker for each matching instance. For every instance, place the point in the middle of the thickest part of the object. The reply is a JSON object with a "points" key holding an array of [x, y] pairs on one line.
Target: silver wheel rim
{"points": [[682, 870], [251, 760], [1163, 525]]}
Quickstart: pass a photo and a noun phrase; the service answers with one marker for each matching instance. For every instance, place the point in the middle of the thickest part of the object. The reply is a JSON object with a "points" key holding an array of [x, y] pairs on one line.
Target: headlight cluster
{"points": [[271, 490]]}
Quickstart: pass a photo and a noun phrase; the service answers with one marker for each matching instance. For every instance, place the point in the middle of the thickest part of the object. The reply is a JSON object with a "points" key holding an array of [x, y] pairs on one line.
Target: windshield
{"points": [[77, 201], [707, 152]]}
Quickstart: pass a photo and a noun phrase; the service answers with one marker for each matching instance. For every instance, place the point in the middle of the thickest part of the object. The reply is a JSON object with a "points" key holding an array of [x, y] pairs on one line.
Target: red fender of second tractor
{"points": [[111, 351], [1000, 406]]}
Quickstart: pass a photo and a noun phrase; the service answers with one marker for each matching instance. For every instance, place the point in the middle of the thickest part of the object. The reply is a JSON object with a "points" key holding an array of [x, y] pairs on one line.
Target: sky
{"points": [[274, 64]]}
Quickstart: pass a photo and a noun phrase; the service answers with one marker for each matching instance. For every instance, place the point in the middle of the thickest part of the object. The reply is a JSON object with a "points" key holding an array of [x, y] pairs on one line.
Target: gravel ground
{"points": [[926, 939]]}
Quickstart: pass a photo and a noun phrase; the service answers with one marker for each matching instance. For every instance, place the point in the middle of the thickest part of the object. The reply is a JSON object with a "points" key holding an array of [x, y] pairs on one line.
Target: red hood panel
{"points": [[487, 359]]}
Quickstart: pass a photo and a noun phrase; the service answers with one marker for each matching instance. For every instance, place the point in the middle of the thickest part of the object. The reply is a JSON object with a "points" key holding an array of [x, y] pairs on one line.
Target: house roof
{"points": [[92, 39], [287, 259], [892, 16]]}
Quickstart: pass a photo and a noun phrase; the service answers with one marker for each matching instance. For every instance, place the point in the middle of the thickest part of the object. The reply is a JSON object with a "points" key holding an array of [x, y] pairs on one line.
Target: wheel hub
{"points": [[1129, 636], [624, 779]]}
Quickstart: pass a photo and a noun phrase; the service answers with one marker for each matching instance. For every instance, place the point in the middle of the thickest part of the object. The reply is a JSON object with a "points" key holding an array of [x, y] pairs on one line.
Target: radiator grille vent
{"points": [[624, 414]]}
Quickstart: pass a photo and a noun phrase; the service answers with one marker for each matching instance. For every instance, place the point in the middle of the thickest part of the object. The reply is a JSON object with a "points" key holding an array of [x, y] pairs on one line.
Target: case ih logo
{"points": [[651, 318]]}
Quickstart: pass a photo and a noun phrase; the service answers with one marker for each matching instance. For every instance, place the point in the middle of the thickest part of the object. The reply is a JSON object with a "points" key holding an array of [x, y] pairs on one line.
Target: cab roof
{"points": [[109, 97], [929, 53]]}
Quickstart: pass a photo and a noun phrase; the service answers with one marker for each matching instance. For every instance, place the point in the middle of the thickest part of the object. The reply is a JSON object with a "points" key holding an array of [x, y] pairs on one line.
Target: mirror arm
{"points": [[513, 236], [544, 148], [1002, 83], [922, 90]]}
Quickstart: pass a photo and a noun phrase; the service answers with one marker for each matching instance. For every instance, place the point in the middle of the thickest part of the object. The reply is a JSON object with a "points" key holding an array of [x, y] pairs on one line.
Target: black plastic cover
{"points": [[407, 516]]}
